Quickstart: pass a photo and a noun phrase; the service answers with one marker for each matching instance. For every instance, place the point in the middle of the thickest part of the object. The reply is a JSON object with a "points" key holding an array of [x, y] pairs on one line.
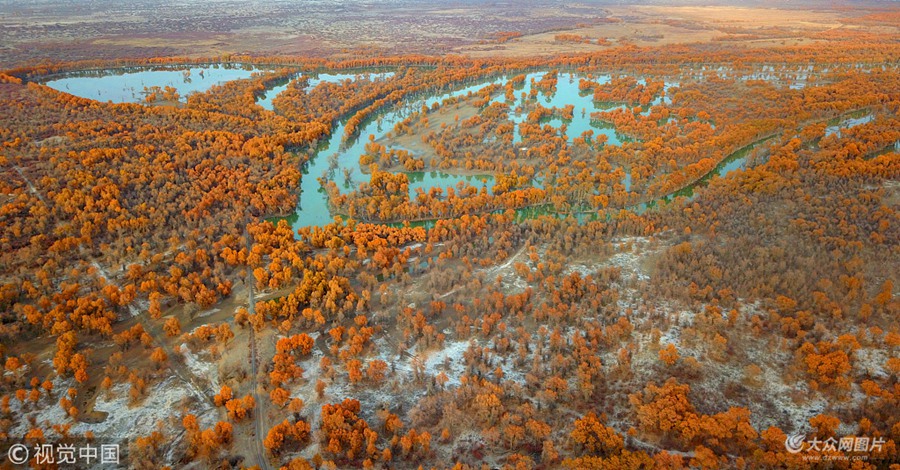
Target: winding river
{"points": [[337, 159]]}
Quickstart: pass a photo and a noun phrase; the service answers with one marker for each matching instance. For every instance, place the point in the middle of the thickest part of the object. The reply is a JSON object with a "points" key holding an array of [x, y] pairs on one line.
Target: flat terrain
{"points": [[653, 25], [105, 29]]}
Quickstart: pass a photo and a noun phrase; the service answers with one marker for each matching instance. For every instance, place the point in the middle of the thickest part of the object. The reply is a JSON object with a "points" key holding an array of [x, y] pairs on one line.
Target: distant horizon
{"points": [[147, 28]]}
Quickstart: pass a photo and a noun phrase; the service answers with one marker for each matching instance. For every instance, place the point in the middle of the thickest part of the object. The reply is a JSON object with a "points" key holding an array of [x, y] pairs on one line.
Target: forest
{"points": [[636, 257]]}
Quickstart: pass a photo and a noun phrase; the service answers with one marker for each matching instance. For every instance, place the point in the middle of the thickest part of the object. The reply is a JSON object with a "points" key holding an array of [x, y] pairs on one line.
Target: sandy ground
{"points": [[145, 28], [644, 25], [446, 115]]}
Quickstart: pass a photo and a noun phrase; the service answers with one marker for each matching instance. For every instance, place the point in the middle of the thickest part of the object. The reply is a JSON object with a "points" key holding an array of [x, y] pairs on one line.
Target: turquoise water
{"points": [[266, 99], [337, 158], [316, 79], [129, 87], [567, 93], [836, 129], [795, 77], [425, 180], [735, 161]]}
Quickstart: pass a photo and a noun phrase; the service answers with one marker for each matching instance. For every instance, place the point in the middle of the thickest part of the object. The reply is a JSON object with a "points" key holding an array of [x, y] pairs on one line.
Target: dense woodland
{"points": [[696, 331]]}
